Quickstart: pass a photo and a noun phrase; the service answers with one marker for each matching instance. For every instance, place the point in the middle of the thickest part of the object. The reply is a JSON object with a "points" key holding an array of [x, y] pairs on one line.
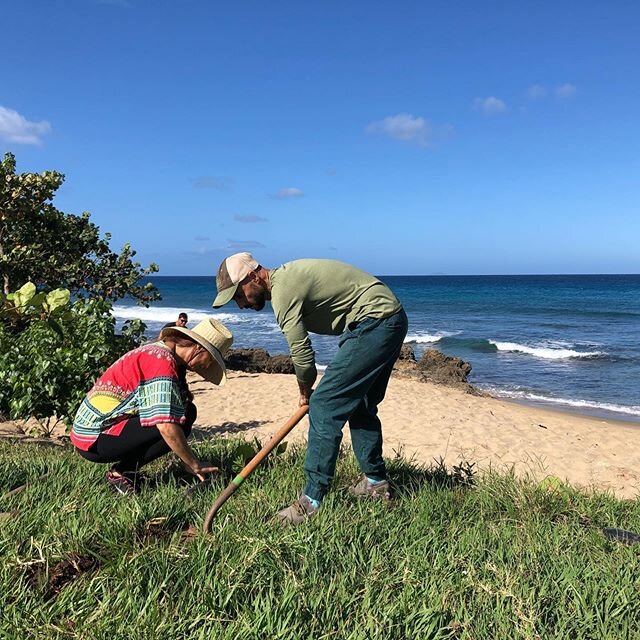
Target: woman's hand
{"points": [[173, 435], [203, 469]]}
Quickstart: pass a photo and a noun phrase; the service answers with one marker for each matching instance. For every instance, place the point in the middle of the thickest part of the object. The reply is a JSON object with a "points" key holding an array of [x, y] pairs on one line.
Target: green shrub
{"points": [[48, 366]]}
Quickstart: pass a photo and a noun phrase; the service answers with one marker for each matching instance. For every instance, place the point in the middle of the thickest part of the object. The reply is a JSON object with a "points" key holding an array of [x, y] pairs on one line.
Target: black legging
{"points": [[136, 445]]}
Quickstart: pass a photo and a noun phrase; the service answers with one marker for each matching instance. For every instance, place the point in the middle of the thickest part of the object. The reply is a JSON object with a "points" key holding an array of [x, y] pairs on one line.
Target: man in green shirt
{"points": [[330, 298]]}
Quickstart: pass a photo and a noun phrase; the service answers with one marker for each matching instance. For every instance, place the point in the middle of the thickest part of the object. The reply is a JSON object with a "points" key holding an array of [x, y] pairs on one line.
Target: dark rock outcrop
{"points": [[435, 367], [258, 361], [406, 354]]}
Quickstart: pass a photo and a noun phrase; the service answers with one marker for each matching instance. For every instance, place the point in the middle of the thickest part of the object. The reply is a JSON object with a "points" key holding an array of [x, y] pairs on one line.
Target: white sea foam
{"points": [[170, 314], [429, 338], [547, 353], [632, 410]]}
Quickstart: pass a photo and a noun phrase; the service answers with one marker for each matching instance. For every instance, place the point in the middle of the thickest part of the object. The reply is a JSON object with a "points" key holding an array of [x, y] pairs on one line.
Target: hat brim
{"points": [[224, 296], [216, 372]]}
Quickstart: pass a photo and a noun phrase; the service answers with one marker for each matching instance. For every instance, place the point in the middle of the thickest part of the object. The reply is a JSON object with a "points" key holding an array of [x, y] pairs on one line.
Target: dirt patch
{"points": [[62, 574], [163, 528]]}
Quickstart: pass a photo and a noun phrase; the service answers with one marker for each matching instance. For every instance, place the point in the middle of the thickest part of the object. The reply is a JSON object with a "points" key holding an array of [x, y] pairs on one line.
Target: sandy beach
{"points": [[431, 421]]}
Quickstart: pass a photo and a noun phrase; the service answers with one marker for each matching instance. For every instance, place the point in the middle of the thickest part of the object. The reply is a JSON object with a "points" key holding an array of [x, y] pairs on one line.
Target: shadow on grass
{"points": [[163, 528], [229, 462], [409, 477], [226, 428]]}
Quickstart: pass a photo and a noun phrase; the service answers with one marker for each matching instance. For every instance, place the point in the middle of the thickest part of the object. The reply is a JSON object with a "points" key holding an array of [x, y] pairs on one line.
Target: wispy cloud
{"points": [[536, 91], [287, 193], [490, 106], [566, 90], [224, 183], [205, 251], [403, 126], [241, 245], [250, 219], [17, 129]]}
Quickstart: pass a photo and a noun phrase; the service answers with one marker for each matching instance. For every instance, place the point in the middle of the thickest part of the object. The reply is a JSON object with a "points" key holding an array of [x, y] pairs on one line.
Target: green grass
{"points": [[501, 559]]}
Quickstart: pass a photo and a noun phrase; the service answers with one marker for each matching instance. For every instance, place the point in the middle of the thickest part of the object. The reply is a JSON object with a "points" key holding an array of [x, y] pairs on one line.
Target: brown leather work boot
{"points": [[376, 490], [299, 511]]}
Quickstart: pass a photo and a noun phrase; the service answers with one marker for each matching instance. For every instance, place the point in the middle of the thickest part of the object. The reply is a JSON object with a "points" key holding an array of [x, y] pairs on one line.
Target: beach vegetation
{"points": [[52, 350], [41, 244], [458, 554]]}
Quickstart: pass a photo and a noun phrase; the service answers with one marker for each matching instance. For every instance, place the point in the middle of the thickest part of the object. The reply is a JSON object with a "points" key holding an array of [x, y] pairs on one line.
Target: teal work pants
{"points": [[351, 389]]}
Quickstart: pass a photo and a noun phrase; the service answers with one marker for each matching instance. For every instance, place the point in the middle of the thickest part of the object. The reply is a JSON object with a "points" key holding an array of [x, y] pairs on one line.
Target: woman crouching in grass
{"points": [[141, 407]]}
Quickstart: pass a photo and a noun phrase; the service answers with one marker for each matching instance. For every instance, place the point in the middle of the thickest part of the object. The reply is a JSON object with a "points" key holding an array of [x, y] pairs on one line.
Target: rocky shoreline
{"points": [[433, 366]]}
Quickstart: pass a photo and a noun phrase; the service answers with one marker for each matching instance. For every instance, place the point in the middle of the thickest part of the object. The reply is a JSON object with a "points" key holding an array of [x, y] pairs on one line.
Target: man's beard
{"points": [[257, 301]]}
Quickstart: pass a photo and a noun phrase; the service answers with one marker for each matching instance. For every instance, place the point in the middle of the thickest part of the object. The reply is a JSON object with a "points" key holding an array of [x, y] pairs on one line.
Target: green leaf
{"points": [[24, 295], [245, 451], [55, 326], [57, 298]]}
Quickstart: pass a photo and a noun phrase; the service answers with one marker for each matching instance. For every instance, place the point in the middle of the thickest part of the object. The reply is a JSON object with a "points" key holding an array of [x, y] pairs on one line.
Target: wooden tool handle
{"points": [[250, 467]]}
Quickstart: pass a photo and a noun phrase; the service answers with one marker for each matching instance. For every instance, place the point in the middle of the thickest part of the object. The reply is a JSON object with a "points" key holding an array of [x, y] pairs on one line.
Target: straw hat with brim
{"points": [[215, 338]]}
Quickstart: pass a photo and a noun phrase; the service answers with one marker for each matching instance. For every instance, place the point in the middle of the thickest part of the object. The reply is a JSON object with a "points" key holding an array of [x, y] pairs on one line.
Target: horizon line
{"points": [[432, 275]]}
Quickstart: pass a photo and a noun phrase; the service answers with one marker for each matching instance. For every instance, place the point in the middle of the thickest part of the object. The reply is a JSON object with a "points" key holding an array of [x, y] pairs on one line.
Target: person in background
{"points": [[330, 298], [141, 407], [182, 320]]}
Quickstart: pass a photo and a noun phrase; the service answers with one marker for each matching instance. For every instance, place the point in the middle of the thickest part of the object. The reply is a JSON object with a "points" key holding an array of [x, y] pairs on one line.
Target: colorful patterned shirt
{"points": [[144, 382]]}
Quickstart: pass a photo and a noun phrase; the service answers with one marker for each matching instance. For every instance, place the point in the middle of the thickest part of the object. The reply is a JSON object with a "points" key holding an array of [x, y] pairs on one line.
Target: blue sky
{"points": [[407, 137]]}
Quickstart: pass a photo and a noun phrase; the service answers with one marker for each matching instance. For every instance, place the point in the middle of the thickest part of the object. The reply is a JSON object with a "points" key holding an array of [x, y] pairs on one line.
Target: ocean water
{"points": [[570, 342]]}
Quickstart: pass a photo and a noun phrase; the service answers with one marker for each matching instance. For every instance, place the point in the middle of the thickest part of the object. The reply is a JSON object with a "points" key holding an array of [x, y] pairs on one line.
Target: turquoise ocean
{"points": [[569, 342]]}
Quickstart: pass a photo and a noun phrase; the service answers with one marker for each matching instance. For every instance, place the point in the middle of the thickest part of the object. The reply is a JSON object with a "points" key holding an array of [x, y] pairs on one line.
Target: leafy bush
{"points": [[20, 308], [48, 366], [44, 245]]}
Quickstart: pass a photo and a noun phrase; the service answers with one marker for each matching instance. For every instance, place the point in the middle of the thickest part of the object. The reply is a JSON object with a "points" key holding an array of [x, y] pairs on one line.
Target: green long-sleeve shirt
{"points": [[323, 296]]}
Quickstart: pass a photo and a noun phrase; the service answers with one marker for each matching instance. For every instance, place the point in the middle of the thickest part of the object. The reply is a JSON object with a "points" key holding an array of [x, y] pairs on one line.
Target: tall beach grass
{"points": [[455, 556]]}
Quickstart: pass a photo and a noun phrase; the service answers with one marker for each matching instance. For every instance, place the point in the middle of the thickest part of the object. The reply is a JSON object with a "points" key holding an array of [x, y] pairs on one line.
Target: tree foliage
{"points": [[52, 350], [52, 249]]}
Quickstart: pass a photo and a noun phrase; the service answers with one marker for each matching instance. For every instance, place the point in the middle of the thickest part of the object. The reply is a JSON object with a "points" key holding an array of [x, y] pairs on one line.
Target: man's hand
{"points": [[306, 389]]}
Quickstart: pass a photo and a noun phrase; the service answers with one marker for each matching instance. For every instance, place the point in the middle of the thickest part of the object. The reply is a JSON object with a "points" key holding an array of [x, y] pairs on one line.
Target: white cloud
{"points": [[287, 193], [490, 105], [224, 183], [16, 128], [243, 245], [250, 219], [536, 91], [566, 90], [403, 126]]}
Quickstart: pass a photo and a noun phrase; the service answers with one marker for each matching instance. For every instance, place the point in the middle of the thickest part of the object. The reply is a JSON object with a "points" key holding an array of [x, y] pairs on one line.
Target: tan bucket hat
{"points": [[215, 338], [232, 271]]}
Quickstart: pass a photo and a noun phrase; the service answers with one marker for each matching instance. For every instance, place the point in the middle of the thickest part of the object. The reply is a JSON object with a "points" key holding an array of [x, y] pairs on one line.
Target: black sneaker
{"points": [[124, 484]]}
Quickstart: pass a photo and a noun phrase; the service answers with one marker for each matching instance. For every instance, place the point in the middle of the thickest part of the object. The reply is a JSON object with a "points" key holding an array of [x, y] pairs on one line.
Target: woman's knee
{"points": [[190, 414]]}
